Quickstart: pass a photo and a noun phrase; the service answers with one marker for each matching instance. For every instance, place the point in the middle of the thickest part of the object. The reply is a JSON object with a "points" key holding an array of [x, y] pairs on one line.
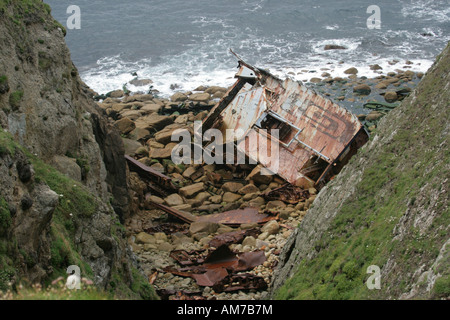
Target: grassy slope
{"points": [[409, 174]]}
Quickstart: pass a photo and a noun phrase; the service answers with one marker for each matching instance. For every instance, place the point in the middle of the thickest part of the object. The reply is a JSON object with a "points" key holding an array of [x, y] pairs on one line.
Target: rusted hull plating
{"points": [[314, 131]]}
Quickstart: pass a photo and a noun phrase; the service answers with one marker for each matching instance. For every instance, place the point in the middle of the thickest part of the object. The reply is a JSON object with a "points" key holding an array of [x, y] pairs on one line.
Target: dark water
{"points": [[187, 42]]}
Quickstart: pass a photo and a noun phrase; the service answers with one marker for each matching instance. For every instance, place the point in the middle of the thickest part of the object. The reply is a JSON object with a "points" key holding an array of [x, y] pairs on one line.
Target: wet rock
{"points": [[315, 80], [375, 67], [362, 89], [390, 96], [351, 71], [374, 115], [333, 47], [140, 82]]}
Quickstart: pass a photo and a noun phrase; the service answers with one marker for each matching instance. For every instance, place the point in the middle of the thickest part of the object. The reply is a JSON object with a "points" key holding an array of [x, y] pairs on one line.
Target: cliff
{"points": [[387, 208], [64, 191]]}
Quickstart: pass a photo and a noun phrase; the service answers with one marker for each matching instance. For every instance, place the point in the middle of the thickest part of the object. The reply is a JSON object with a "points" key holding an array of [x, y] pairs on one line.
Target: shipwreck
{"points": [[317, 137]]}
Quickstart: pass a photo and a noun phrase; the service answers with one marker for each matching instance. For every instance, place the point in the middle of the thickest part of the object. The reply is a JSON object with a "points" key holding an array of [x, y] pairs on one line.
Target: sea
{"points": [[183, 44]]}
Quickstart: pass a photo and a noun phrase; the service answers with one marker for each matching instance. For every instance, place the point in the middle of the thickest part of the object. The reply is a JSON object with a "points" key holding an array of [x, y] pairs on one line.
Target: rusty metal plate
{"points": [[231, 218], [232, 237], [210, 277], [236, 282], [235, 218]]}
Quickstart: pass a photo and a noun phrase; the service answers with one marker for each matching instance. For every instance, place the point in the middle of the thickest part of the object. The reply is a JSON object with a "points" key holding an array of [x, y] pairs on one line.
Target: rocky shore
{"points": [[146, 123]]}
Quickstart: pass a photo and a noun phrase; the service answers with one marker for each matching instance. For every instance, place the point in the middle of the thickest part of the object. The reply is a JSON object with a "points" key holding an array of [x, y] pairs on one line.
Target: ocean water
{"points": [[183, 44]]}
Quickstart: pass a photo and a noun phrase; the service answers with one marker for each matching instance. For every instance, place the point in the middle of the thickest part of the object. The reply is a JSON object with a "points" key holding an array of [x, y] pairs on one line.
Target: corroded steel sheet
{"points": [[237, 217], [320, 128], [230, 218]]}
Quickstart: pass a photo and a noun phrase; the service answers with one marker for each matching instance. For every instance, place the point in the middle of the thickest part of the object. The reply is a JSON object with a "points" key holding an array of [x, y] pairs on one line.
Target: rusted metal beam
{"points": [[152, 175]]}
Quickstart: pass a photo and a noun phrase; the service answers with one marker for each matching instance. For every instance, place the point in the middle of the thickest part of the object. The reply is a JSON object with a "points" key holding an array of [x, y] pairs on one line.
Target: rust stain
{"points": [[233, 218], [316, 131]]}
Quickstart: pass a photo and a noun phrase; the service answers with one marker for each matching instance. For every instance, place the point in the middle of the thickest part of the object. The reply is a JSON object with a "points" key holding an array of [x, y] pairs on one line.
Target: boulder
{"points": [[248, 189], [271, 227], [362, 89], [138, 97], [118, 107], [165, 136], [333, 47], [154, 122], [116, 94], [215, 89], [165, 153], [145, 238], [151, 108], [130, 146], [140, 82], [140, 134], [375, 67], [232, 186], [200, 97], [125, 125], [390, 96], [230, 197], [275, 204], [352, 70], [315, 80], [178, 97], [192, 190], [260, 176], [374, 115], [203, 227]]}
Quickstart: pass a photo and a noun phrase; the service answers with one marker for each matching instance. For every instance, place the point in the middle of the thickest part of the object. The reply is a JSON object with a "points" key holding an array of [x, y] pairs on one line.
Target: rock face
{"points": [[49, 111], [400, 224]]}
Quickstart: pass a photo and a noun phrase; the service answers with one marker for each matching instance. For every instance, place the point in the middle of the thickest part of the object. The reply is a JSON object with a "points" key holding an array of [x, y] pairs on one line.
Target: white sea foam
{"points": [[427, 10]]}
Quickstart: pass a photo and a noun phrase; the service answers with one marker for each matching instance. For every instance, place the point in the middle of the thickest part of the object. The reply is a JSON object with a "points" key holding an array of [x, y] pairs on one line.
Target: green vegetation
{"points": [[57, 292], [44, 61], [400, 178], [5, 217], [15, 98]]}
